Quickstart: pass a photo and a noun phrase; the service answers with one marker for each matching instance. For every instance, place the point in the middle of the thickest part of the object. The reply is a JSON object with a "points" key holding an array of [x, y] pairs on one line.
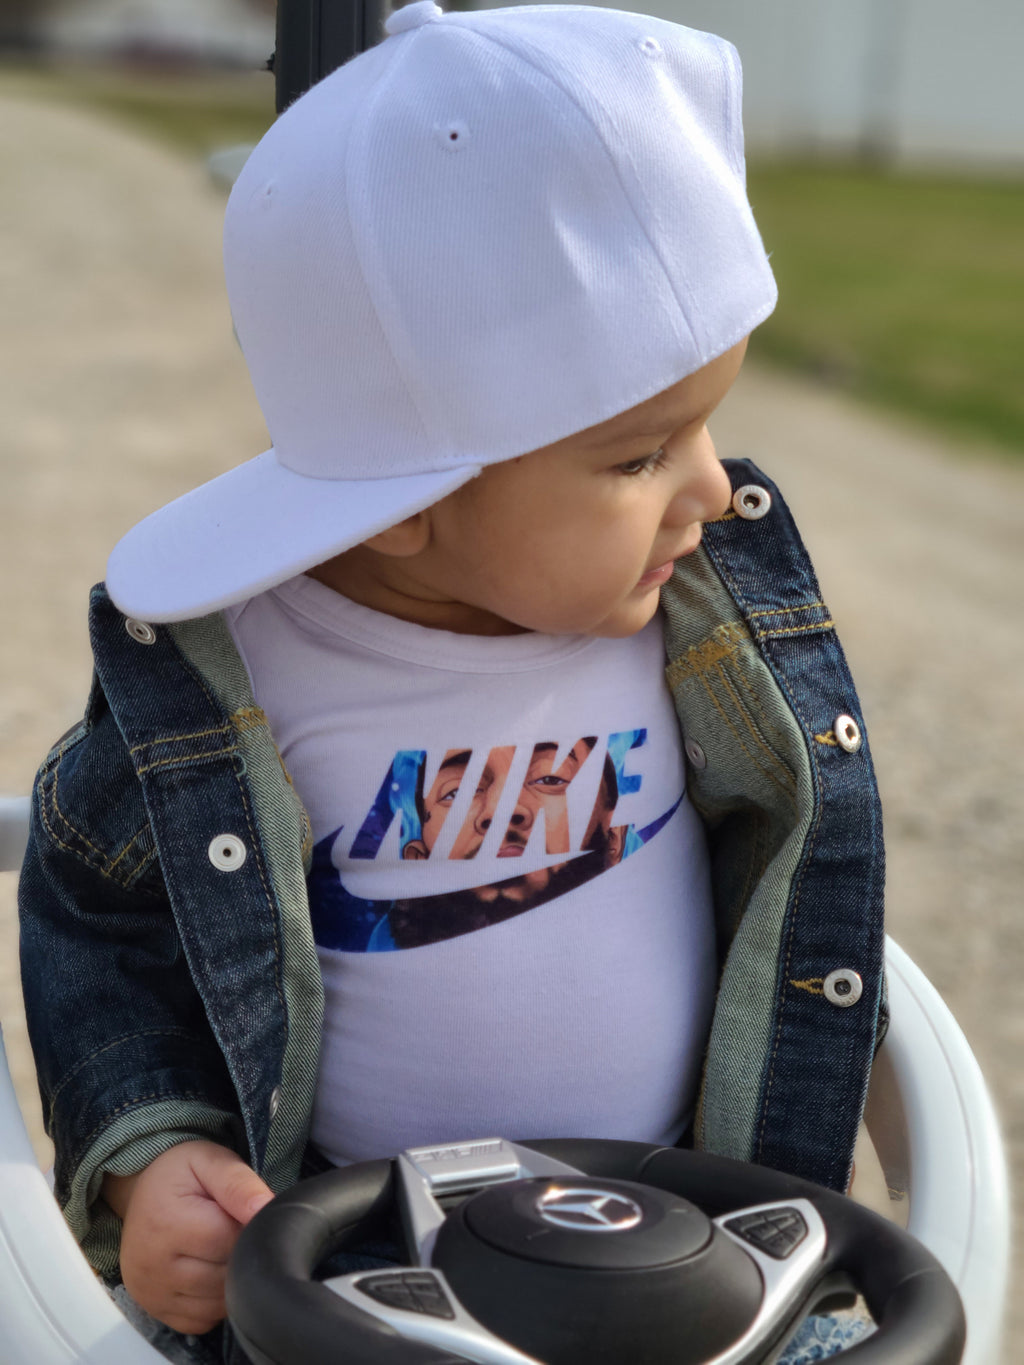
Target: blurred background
{"points": [[886, 169]]}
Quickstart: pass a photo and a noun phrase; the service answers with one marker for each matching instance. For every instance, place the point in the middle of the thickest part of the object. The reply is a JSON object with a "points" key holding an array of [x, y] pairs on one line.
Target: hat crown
{"points": [[493, 229]]}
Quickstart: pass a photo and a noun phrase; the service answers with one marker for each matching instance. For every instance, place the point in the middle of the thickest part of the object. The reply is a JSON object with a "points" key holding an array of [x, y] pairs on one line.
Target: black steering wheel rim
{"points": [[284, 1317]]}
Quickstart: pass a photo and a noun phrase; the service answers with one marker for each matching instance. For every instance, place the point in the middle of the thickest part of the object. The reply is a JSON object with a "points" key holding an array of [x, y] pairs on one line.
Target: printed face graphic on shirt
{"points": [[543, 796], [344, 921]]}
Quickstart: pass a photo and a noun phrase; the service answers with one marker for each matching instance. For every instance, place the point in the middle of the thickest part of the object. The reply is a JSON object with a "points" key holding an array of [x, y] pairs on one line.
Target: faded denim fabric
{"points": [[795, 830], [169, 999]]}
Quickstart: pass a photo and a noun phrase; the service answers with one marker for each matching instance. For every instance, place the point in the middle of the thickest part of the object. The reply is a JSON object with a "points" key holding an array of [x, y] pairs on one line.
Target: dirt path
{"points": [[120, 386]]}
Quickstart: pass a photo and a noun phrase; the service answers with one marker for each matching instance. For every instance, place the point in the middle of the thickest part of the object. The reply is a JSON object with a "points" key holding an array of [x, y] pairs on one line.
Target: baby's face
{"points": [[575, 538]]}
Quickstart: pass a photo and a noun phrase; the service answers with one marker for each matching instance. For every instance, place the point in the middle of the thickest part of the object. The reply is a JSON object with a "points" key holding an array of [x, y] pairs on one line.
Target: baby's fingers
{"points": [[193, 1314], [206, 1233], [229, 1181]]}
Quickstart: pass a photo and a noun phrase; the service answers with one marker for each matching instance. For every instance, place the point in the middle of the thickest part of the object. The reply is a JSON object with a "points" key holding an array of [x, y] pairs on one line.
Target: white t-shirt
{"points": [[510, 893]]}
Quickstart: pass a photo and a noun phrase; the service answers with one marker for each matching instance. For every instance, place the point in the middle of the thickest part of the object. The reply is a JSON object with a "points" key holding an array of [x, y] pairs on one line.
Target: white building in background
{"points": [[909, 80], [236, 31], [914, 80]]}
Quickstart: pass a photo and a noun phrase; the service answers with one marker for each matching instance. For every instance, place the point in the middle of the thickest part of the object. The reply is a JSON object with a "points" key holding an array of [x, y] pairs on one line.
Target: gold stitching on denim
{"points": [[179, 739], [767, 772], [103, 865], [700, 658], [814, 985], [726, 516], [774, 759], [127, 846], [116, 1042], [270, 900], [249, 718], [829, 737], [187, 758], [787, 611], [809, 843], [136, 871], [793, 630], [65, 821], [755, 704]]}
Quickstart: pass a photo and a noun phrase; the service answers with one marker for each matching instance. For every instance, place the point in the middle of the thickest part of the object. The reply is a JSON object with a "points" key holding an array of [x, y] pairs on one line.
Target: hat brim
{"points": [[252, 528]]}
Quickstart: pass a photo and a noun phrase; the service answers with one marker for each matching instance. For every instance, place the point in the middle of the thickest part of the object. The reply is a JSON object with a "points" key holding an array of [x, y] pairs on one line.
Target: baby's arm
{"points": [[182, 1216], [127, 1062]]}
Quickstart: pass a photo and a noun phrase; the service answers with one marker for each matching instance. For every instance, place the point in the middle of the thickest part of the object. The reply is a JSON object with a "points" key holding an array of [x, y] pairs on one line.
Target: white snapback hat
{"points": [[491, 230]]}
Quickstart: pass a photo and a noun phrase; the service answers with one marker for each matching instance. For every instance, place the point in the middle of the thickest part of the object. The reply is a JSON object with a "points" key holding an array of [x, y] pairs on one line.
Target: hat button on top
{"points": [[412, 16]]}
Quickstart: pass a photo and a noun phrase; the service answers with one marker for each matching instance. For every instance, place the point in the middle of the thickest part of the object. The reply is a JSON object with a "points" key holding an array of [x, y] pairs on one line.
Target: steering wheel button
{"points": [[411, 1291], [430, 1297], [774, 1231], [389, 1290]]}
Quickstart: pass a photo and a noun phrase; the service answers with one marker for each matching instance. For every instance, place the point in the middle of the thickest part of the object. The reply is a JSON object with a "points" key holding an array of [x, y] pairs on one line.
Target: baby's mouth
{"points": [[662, 572]]}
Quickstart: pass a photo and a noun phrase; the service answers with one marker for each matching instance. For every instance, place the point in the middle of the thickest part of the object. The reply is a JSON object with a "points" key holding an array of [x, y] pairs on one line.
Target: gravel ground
{"points": [[120, 387]]}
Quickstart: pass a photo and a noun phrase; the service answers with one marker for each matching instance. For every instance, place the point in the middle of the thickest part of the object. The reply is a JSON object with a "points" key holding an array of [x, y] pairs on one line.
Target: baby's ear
{"points": [[406, 538]]}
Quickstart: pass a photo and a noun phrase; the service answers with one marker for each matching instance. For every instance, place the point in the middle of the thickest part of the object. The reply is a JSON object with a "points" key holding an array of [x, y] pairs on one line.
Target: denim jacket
{"points": [[172, 987]]}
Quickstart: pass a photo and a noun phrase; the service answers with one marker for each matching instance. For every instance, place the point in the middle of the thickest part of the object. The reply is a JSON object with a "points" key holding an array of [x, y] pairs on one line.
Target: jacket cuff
{"points": [[127, 1147]]}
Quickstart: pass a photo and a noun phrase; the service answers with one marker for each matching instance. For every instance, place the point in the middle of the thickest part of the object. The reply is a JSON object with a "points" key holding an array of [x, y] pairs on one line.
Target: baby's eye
{"points": [[644, 464]]}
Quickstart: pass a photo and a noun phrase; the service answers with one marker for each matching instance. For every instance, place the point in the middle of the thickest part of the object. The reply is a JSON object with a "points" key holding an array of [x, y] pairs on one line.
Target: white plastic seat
{"points": [[933, 1125], [929, 1116]]}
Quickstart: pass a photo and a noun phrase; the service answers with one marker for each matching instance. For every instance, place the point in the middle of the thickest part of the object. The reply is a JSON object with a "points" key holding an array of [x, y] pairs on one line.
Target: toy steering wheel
{"points": [[574, 1252]]}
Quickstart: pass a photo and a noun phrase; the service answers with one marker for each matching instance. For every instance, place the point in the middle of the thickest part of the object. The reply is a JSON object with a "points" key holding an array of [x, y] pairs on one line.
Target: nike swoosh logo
{"points": [[351, 924]]}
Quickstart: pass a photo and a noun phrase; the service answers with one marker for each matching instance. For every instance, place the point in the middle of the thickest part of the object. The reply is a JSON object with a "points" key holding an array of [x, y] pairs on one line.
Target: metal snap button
{"points": [[696, 754], [227, 852], [140, 631], [751, 502], [847, 733], [843, 987], [275, 1102]]}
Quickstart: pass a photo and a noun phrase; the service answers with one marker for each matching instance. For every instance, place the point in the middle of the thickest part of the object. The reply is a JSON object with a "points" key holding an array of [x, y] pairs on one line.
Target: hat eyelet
{"points": [[453, 136]]}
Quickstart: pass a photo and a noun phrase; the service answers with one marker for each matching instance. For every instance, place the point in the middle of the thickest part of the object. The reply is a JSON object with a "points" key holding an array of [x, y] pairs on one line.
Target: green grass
{"points": [[905, 290], [195, 112]]}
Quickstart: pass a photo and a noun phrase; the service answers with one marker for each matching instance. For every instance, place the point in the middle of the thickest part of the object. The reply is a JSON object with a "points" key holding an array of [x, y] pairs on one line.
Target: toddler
{"points": [[481, 758]]}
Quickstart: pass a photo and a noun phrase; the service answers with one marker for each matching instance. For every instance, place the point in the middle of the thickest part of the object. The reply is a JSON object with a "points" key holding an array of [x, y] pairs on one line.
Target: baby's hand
{"points": [[182, 1216]]}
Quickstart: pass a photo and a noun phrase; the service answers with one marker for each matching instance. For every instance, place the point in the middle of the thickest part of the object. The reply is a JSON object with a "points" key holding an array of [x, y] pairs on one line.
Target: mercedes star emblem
{"points": [[588, 1210]]}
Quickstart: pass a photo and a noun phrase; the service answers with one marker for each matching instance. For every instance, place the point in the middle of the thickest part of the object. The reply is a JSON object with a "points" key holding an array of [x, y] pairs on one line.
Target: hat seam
{"points": [[527, 55], [362, 241]]}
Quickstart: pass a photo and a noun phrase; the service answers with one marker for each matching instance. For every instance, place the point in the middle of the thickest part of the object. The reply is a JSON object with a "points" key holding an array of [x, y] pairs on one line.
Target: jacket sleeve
{"points": [[127, 1063]]}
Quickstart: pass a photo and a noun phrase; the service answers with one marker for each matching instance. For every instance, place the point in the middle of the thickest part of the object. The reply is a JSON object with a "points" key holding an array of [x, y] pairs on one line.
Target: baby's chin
{"points": [[620, 625]]}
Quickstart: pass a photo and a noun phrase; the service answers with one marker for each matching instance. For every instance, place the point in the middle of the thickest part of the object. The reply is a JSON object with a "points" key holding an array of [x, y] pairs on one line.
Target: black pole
{"points": [[316, 36]]}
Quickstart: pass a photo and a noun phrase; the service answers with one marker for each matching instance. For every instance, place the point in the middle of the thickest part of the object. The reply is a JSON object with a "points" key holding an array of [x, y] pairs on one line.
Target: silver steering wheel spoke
{"points": [[420, 1304], [428, 1174], [786, 1240]]}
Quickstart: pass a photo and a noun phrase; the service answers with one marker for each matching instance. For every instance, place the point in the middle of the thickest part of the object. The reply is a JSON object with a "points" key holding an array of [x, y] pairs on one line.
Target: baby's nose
{"points": [[707, 493]]}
